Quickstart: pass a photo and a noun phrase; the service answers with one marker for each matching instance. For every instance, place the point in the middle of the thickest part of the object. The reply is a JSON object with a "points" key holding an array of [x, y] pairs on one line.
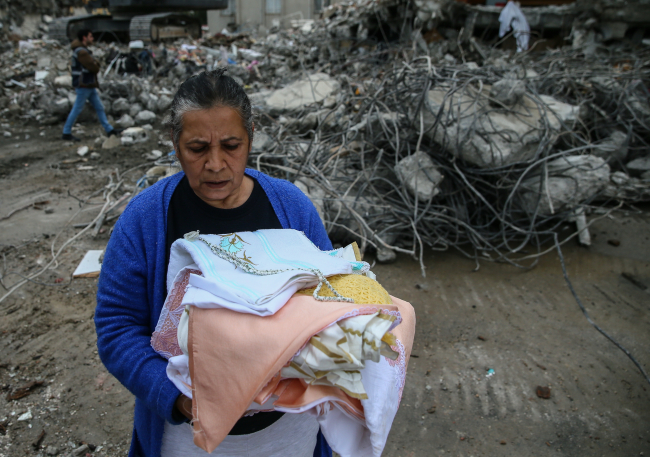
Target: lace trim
{"points": [[400, 366], [164, 339]]}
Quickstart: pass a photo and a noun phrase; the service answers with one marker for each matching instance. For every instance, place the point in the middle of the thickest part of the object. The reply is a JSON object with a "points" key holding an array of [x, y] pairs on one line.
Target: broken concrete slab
{"points": [[420, 176], [470, 128], [301, 93], [571, 180]]}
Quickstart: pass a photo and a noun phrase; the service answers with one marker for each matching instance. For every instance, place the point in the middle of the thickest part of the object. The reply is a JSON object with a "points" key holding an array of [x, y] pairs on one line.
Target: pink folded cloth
{"points": [[236, 358]]}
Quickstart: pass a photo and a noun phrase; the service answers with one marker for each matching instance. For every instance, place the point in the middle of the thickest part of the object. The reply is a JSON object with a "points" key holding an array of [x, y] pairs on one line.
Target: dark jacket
{"points": [[84, 67]]}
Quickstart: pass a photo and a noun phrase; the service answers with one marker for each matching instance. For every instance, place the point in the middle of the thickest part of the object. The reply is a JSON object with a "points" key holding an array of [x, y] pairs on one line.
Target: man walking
{"points": [[84, 81]]}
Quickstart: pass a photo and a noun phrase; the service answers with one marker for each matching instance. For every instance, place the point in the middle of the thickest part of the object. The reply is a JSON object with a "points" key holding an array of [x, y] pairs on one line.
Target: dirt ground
{"points": [[485, 339]]}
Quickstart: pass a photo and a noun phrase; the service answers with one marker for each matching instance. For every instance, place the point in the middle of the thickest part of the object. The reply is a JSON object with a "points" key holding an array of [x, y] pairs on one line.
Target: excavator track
{"points": [[58, 29], [149, 27]]}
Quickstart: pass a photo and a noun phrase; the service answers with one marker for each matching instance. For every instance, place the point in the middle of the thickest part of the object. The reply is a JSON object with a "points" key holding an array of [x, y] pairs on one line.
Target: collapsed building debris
{"points": [[404, 130]]}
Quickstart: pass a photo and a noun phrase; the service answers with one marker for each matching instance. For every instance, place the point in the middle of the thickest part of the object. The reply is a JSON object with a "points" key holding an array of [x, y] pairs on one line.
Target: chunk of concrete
{"points": [[111, 142], [163, 103], [311, 89], [385, 255], [571, 180], [145, 117], [63, 81], [135, 109], [507, 91], [639, 166], [613, 148], [619, 178], [420, 176], [61, 106], [155, 174], [125, 121], [261, 142], [44, 62], [40, 75], [473, 130], [134, 135], [121, 106]]}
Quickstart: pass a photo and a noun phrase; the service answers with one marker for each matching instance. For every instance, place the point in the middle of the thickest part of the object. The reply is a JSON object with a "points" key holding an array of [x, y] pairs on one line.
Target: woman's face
{"points": [[213, 150]]}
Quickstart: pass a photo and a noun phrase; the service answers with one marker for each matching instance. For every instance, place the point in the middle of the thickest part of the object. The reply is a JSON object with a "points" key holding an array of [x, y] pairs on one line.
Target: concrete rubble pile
{"points": [[423, 136], [401, 128]]}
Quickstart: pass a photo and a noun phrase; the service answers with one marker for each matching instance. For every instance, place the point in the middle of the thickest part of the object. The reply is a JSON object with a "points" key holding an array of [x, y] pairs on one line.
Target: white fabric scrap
{"points": [[512, 18]]}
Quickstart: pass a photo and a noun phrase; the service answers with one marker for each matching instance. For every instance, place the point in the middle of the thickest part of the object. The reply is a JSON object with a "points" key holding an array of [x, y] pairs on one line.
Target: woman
{"points": [[212, 131]]}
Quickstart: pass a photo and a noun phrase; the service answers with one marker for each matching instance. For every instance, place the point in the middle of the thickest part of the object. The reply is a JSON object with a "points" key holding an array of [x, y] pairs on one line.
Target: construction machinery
{"points": [[127, 20]]}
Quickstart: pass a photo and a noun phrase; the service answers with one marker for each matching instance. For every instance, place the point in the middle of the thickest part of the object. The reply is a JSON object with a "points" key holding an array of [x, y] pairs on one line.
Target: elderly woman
{"points": [[212, 130]]}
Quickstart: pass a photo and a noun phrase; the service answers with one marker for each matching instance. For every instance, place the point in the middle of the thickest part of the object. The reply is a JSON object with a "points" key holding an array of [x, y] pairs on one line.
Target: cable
{"points": [[584, 311]]}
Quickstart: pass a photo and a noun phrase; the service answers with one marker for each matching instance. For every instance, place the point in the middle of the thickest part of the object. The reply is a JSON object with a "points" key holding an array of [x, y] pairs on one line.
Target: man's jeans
{"points": [[84, 94]]}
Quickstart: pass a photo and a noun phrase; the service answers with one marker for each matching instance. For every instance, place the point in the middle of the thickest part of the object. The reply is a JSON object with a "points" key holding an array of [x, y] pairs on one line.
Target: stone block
{"points": [[145, 117], [567, 183], [261, 142], [473, 130], [419, 175], [111, 142], [301, 93], [639, 166], [63, 81], [135, 109], [125, 121], [121, 106]]}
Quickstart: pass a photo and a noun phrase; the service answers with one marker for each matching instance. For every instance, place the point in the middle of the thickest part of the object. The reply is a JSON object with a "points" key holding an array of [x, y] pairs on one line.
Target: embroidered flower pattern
{"points": [[233, 244]]}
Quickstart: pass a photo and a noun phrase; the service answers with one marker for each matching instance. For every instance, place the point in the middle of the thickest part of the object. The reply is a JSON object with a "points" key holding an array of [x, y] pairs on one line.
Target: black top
{"points": [[187, 212]]}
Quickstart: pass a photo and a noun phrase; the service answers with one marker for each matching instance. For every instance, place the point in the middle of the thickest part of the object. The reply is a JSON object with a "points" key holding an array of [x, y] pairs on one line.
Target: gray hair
{"points": [[207, 90]]}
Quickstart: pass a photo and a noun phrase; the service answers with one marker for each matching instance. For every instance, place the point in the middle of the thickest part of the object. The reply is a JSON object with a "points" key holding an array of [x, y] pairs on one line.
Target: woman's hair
{"points": [[207, 90]]}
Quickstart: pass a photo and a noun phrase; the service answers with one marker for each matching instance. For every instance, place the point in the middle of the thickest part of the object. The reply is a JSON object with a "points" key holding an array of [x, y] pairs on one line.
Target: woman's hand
{"points": [[184, 406]]}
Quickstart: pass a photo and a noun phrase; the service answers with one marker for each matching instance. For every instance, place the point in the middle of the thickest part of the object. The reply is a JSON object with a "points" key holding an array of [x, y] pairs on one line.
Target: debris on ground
{"points": [[402, 137], [90, 265], [410, 125], [543, 392]]}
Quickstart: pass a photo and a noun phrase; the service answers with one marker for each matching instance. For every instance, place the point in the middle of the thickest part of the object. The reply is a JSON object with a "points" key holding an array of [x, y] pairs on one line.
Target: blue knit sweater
{"points": [[132, 291]]}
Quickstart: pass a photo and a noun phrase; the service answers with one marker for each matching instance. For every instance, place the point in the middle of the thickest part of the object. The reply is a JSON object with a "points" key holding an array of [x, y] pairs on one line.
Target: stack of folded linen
{"points": [[235, 354]]}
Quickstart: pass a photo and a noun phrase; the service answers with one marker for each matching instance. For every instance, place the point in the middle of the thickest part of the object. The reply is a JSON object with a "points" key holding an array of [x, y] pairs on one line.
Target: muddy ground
{"points": [[523, 325]]}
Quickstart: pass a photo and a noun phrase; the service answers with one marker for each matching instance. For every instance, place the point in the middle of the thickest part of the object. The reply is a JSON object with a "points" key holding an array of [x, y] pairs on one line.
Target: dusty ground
{"points": [[524, 325]]}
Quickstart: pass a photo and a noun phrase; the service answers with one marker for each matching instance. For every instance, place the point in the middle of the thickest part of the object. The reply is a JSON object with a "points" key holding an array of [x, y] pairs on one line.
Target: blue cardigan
{"points": [[132, 290]]}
